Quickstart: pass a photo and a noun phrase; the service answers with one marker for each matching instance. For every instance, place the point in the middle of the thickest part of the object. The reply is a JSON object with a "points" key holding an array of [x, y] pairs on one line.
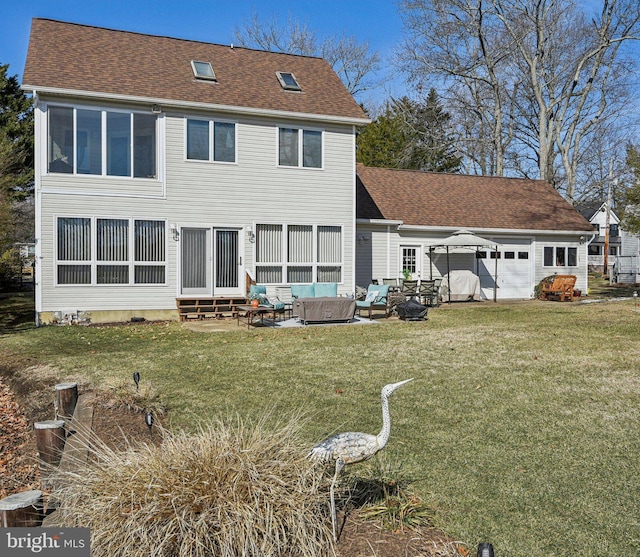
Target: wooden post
{"points": [[50, 438], [21, 510], [65, 401]]}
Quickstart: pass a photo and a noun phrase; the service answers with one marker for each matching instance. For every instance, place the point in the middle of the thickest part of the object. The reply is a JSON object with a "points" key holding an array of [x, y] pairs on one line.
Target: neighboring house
{"points": [[627, 268], [401, 213], [596, 214], [169, 169]]}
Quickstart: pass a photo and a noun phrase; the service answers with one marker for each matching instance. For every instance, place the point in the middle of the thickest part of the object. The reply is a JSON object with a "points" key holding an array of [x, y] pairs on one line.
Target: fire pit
{"points": [[412, 310]]}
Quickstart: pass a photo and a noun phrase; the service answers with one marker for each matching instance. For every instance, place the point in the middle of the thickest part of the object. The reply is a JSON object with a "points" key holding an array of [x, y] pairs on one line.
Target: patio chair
{"points": [[429, 292], [259, 291], [425, 291], [377, 297], [392, 282], [409, 287]]}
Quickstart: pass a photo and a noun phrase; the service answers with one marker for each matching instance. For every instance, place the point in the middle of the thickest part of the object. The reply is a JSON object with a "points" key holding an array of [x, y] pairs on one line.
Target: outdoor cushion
{"points": [[323, 289], [255, 290], [273, 302], [302, 291]]}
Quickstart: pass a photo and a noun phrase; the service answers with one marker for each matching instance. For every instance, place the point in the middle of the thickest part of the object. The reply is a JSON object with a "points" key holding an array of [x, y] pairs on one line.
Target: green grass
{"points": [[521, 427]]}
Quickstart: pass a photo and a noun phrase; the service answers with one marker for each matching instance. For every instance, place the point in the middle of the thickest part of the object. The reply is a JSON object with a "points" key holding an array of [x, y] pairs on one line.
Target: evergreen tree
{"points": [[631, 218], [16, 139], [411, 135], [16, 173]]}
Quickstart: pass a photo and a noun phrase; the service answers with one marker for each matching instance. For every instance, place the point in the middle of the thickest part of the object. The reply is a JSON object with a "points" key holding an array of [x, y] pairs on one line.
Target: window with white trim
{"points": [[299, 148], [556, 256], [93, 250], [298, 253], [101, 142], [209, 140]]}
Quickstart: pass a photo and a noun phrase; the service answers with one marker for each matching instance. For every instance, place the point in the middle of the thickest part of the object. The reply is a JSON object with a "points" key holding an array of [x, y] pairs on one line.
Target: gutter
{"points": [[197, 105], [449, 229]]}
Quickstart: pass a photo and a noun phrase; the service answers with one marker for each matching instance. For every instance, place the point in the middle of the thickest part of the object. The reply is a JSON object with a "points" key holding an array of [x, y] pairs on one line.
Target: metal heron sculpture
{"points": [[351, 447]]}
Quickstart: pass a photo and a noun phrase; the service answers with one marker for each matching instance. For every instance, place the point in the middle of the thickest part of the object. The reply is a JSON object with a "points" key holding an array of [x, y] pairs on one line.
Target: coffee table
{"points": [[250, 313]]}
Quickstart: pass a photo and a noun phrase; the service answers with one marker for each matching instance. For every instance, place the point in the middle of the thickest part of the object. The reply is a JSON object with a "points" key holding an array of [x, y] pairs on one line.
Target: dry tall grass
{"points": [[234, 488]]}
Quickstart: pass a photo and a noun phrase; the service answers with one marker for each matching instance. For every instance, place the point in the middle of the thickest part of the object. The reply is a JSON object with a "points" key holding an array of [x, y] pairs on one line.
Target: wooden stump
{"points": [[50, 439], [66, 399], [21, 510]]}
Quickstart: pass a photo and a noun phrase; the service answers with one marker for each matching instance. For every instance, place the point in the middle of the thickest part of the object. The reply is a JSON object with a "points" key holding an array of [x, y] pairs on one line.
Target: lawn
{"points": [[521, 427]]}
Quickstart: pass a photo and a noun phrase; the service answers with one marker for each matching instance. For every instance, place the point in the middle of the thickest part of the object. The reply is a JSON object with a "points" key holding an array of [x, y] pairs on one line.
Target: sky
{"points": [[375, 21]]}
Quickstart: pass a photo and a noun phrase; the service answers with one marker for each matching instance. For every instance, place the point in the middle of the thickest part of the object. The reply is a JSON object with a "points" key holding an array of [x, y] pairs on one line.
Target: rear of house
{"points": [[402, 215], [169, 169]]}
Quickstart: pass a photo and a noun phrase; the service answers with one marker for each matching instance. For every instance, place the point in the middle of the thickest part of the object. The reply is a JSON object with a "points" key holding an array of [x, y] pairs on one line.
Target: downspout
{"points": [[495, 277], [37, 274]]}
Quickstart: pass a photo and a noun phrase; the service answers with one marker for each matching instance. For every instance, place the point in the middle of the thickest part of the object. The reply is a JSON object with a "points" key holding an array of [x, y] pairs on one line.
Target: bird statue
{"points": [[136, 379], [351, 447]]}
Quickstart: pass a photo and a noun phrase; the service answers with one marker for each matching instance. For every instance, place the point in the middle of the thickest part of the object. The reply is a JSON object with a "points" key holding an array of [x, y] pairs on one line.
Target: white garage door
{"points": [[514, 271]]}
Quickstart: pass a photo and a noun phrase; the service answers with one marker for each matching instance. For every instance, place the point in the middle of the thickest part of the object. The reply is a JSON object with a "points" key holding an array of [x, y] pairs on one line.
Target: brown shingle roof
{"points": [[77, 57], [458, 201]]}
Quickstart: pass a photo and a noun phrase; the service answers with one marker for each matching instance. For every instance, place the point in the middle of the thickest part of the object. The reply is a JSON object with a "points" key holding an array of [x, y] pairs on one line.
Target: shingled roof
{"points": [[459, 201], [79, 59]]}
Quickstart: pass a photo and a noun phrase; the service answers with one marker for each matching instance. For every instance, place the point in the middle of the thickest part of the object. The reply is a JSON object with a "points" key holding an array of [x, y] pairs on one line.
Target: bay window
{"points": [[298, 253], [101, 142], [110, 251]]}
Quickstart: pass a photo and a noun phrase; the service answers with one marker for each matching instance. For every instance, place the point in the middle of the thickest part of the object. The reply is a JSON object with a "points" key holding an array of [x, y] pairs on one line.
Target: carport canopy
{"points": [[467, 241]]}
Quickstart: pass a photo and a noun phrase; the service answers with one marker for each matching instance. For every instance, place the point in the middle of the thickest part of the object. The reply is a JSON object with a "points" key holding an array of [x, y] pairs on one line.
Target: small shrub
{"points": [[234, 488], [121, 393], [384, 495]]}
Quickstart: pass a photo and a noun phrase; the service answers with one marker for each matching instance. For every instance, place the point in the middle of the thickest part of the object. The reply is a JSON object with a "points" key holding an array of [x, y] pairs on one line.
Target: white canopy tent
{"points": [[465, 241]]}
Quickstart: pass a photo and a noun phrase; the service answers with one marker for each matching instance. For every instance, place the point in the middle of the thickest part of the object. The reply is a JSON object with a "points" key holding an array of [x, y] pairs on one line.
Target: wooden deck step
{"points": [[208, 307]]}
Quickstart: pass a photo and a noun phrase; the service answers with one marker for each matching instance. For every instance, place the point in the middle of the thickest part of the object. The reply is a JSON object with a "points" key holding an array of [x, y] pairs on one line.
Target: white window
{"points": [[208, 140], [560, 257], [102, 143], [299, 148], [110, 251], [298, 253]]}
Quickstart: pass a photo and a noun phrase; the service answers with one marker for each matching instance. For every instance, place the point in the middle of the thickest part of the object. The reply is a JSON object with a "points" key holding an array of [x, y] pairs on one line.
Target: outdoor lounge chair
{"points": [[377, 297]]}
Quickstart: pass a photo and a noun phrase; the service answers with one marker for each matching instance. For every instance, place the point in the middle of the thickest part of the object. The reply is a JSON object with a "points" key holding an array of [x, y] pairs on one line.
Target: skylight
{"points": [[203, 70], [288, 81]]}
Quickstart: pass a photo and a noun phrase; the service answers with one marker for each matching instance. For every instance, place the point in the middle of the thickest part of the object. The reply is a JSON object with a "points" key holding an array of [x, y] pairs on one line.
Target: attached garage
{"points": [[396, 209], [514, 270]]}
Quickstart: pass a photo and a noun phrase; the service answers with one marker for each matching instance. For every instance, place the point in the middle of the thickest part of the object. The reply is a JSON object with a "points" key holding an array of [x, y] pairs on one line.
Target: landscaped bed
{"points": [[520, 427]]}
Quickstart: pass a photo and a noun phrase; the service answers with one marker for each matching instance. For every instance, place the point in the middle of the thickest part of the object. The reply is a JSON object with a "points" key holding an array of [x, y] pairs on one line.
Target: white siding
{"points": [[561, 241], [378, 257], [239, 195]]}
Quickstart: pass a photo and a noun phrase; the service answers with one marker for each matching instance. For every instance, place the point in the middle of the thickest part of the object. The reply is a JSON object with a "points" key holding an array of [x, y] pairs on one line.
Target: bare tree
{"points": [[572, 72], [539, 78], [454, 41], [352, 60]]}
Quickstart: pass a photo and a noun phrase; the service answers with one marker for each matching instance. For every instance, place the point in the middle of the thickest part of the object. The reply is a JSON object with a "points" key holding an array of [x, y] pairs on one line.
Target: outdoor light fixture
{"points": [[136, 379], [250, 234], [175, 234], [485, 550], [155, 109], [148, 418]]}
